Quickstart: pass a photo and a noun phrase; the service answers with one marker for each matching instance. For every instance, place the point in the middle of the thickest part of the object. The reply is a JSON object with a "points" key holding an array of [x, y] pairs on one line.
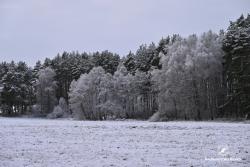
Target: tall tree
{"points": [[46, 90], [190, 81], [107, 60], [85, 95], [16, 88], [236, 46]]}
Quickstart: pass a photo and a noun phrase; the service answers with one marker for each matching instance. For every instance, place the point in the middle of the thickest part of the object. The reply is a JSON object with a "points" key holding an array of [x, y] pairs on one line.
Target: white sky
{"points": [[31, 30]]}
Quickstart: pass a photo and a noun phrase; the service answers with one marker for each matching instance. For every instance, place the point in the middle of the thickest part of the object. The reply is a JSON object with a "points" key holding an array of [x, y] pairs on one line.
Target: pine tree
{"points": [[16, 87], [129, 63], [236, 46], [107, 60]]}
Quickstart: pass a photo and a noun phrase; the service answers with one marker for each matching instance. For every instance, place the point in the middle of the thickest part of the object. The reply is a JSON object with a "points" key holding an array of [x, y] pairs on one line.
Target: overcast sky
{"points": [[31, 30]]}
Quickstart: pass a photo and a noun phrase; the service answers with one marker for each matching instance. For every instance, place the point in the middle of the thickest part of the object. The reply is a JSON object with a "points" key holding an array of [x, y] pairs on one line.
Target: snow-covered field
{"points": [[40, 142]]}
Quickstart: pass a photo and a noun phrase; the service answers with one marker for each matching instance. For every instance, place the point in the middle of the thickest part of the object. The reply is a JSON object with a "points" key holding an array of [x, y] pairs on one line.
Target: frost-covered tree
{"points": [[59, 111], [109, 101], [190, 82], [37, 68], [180, 78], [145, 104], [134, 94], [129, 62], [147, 57], [46, 90], [107, 60], [17, 91], [161, 48], [122, 96], [99, 95], [69, 66], [85, 99], [236, 46], [144, 55], [75, 98]]}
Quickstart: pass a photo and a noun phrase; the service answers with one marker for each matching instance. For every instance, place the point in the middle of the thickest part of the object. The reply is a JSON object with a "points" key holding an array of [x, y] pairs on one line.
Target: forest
{"points": [[199, 77]]}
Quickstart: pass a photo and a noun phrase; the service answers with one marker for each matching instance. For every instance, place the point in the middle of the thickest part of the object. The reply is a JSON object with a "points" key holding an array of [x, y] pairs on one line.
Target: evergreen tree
{"points": [[236, 46], [17, 91], [107, 60], [129, 63]]}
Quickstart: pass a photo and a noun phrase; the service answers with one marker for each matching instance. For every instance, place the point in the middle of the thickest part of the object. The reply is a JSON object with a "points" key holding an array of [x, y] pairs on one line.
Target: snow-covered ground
{"points": [[40, 142]]}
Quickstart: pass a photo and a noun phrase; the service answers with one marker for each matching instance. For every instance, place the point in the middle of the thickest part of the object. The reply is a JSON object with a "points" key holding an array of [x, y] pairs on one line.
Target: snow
{"points": [[41, 143]]}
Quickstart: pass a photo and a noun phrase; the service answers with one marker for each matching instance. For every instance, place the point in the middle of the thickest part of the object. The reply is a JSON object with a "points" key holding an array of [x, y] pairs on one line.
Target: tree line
{"points": [[199, 77]]}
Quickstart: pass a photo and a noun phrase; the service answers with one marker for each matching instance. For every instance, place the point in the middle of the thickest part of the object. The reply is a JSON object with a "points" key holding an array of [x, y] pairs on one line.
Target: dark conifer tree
{"points": [[236, 46]]}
